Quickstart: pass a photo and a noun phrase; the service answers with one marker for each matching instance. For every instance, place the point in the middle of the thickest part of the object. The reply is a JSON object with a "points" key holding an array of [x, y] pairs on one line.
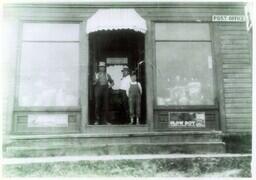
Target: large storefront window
{"points": [[184, 64], [49, 67]]}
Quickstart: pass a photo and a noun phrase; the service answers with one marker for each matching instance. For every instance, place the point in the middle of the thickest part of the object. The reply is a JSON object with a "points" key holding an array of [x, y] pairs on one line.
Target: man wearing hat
{"points": [[102, 82], [124, 88]]}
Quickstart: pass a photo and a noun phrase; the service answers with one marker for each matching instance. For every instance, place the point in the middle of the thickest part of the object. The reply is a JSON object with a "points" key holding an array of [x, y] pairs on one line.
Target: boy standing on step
{"points": [[134, 95]]}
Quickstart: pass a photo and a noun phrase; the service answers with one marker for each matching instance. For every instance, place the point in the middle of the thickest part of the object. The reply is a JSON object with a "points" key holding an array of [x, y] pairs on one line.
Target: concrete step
{"points": [[109, 138], [149, 165], [115, 143], [106, 149]]}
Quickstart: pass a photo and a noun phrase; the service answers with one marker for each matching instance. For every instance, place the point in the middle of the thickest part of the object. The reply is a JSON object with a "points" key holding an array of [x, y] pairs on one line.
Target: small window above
{"points": [[50, 32], [182, 31]]}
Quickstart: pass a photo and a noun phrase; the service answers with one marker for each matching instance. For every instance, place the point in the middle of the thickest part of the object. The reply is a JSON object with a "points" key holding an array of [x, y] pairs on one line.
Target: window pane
{"points": [[49, 74], [184, 73], [50, 32], [182, 31]]}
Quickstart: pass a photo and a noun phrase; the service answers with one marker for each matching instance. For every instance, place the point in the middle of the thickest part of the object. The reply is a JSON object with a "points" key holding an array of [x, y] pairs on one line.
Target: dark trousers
{"points": [[134, 103], [124, 106], [101, 103]]}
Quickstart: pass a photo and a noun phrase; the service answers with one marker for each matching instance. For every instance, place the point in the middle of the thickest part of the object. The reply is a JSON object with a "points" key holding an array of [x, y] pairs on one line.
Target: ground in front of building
{"points": [[177, 165]]}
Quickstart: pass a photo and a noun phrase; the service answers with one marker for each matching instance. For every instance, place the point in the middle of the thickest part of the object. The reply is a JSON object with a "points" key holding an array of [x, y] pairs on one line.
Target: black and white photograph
{"points": [[133, 89]]}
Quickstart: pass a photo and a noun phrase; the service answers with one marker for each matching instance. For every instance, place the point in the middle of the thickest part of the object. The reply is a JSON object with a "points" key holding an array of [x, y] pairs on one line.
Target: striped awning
{"points": [[116, 19]]}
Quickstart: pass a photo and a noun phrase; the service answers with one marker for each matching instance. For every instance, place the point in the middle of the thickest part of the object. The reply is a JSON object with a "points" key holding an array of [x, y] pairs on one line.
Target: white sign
{"points": [[182, 123], [228, 18], [117, 60], [187, 119], [47, 120]]}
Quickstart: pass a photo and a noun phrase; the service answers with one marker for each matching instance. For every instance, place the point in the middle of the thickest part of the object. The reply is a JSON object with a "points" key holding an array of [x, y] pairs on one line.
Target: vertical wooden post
{"points": [[219, 74], [84, 64], [149, 75], [11, 67]]}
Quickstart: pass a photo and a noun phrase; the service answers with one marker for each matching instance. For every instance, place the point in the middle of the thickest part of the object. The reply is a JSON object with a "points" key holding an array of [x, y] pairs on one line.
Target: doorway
{"points": [[117, 49]]}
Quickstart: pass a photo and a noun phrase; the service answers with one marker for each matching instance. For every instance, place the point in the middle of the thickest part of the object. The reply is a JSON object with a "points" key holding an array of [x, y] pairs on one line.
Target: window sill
{"points": [[187, 107], [48, 109]]}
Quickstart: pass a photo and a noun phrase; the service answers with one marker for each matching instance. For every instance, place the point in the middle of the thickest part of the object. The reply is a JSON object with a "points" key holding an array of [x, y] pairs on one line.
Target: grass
{"points": [[195, 167]]}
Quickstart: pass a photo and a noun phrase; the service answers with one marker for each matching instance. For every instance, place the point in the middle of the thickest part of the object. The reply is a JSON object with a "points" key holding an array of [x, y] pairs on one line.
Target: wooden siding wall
{"points": [[234, 47]]}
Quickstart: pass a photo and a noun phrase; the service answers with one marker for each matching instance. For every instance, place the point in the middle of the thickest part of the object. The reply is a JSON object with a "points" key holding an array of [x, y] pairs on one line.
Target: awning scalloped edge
{"points": [[116, 19]]}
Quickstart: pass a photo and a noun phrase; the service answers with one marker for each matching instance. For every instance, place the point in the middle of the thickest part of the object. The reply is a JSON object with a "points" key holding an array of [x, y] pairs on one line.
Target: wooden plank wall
{"points": [[234, 44]]}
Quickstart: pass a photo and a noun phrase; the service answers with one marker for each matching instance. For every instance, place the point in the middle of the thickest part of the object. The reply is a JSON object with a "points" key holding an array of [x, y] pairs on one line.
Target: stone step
{"points": [[112, 138], [114, 143], [144, 165], [106, 149]]}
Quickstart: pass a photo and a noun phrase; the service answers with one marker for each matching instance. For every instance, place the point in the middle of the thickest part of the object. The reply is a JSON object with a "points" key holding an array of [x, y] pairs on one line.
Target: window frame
{"points": [[214, 70], [17, 107]]}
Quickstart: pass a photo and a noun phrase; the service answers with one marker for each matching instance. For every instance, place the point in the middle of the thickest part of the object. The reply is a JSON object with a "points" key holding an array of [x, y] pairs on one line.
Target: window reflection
{"points": [[184, 73], [49, 74]]}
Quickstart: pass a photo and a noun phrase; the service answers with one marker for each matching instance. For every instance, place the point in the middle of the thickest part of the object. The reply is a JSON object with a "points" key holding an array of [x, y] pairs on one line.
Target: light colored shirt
{"points": [[125, 83]]}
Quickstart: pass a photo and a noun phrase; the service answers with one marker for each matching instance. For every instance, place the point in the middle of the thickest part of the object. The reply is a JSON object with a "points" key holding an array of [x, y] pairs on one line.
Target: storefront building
{"points": [[192, 59]]}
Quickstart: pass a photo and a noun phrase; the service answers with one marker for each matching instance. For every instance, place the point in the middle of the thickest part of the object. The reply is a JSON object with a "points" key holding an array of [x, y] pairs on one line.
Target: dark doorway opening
{"points": [[116, 49]]}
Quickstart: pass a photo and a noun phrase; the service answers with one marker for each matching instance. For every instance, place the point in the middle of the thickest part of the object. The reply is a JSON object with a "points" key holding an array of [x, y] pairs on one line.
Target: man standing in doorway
{"points": [[124, 88], [102, 82]]}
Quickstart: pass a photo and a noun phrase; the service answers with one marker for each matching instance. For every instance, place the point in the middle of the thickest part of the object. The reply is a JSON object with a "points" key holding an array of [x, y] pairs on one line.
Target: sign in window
{"points": [[47, 120], [186, 119]]}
